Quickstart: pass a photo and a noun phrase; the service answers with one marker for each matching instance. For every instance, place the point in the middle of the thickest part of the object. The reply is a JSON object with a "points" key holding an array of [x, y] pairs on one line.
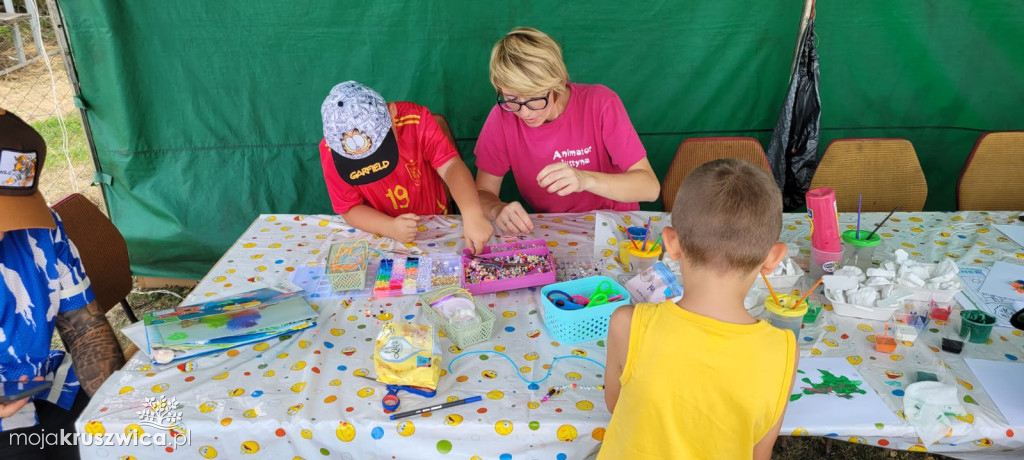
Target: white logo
{"points": [[160, 413]]}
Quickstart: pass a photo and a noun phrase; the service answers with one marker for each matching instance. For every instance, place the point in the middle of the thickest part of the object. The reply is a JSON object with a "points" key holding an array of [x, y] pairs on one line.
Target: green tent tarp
{"points": [[205, 114]]}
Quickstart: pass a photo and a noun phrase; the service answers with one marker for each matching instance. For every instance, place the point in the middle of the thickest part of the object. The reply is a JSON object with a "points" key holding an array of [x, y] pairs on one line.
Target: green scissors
{"points": [[603, 294]]}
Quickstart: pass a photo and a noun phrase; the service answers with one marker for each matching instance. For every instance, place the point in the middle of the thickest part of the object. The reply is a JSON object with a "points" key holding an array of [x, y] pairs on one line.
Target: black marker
{"points": [[471, 399]]}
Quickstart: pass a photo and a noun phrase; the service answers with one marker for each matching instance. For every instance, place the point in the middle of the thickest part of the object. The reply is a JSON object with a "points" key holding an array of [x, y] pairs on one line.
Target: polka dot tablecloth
{"points": [[303, 396]]}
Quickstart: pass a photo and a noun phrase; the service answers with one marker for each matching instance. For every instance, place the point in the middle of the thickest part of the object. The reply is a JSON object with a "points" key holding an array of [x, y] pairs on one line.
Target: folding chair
{"points": [[696, 151], [102, 249], [993, 176], [885, 171], [447, 130]]}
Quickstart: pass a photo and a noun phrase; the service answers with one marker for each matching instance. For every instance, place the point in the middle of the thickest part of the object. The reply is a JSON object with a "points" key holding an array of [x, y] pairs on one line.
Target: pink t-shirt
{"points": [[593, 133]]}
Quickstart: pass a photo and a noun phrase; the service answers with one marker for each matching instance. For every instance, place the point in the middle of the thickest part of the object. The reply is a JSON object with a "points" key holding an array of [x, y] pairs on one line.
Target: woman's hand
{"points": [[513, 219], [562, 179]]}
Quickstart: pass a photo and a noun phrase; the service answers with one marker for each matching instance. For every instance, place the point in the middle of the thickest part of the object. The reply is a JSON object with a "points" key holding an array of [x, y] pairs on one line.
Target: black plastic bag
{"points": [[793, 152]]}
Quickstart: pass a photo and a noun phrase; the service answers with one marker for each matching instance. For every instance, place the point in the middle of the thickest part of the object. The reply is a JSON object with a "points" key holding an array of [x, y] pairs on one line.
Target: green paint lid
{"points": [[850, 237]]}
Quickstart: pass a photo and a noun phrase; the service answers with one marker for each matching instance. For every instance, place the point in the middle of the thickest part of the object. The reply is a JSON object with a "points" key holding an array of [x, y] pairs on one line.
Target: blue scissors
{"points": [[391, 401], [565, 301]]}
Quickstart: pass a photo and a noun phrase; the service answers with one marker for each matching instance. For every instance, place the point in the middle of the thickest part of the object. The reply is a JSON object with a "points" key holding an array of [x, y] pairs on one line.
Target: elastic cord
{"points": [[531, 384]]}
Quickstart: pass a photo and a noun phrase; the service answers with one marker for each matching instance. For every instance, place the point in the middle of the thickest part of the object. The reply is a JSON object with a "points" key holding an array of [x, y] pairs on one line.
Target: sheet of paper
{"points": [[1001, 380], [971, 298], [999, 279], [828, 386], [1014, 232], [206, 328]]}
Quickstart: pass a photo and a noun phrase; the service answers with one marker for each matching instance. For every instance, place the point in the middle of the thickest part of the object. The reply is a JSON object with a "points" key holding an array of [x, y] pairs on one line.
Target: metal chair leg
{"points": [[128, 311]]}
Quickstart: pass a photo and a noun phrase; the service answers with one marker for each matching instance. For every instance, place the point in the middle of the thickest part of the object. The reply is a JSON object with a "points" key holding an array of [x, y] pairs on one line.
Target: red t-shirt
{"points": [[414, 185]]}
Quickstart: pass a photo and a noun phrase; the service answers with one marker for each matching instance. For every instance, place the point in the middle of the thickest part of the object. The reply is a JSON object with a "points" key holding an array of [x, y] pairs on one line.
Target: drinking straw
{"points": [[882, 222], [771, 290], [859, 198], [809, 291]]}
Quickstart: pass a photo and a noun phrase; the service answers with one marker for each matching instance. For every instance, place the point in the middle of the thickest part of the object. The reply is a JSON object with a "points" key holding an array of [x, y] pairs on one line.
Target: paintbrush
{"points": [[859, 199], [656, 243], [774, 296], [628, 235], [882, 223], [647, 234], [809, 291]]}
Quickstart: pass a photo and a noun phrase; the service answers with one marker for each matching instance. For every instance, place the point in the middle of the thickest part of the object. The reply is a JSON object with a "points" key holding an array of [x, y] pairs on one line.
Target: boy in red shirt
{"points": [[384, 163]]}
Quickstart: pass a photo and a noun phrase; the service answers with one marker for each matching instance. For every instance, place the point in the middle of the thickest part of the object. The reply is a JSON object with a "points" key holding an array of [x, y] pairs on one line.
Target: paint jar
{"points": [[640, 260], [638, 234], [976, 325], [787, 316], [858, 251]]}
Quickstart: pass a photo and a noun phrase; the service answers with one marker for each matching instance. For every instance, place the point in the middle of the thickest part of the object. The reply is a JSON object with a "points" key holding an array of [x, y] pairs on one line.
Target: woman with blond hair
{"points": [[571, 147]]}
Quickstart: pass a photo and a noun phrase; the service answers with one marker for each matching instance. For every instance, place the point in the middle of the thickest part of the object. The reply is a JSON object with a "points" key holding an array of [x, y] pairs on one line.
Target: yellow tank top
{"points": [[695, 387]]}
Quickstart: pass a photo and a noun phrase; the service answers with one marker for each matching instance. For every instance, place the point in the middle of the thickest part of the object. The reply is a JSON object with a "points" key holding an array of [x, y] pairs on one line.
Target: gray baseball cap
{"points": [[353, 106]]}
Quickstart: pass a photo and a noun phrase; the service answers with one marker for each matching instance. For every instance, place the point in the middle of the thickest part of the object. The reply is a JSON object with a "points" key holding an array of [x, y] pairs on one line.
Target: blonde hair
{"points": [[728, 214], [529, 63]]}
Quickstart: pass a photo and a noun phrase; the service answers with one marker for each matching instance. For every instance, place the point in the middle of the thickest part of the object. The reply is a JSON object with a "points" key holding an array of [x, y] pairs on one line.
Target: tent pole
{"points": [[57, 22], [808, 12]]}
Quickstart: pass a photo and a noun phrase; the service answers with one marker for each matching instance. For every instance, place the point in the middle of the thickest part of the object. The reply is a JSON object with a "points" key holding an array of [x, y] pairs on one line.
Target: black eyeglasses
{"points": [[537, 103]]}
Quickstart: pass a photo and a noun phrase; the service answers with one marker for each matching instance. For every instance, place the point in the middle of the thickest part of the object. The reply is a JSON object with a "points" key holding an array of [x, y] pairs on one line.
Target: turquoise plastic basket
{"points": [[572, 326]]}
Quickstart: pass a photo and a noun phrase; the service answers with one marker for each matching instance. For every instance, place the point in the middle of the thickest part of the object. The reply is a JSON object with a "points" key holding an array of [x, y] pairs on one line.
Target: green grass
{"points": [[78, 149]]}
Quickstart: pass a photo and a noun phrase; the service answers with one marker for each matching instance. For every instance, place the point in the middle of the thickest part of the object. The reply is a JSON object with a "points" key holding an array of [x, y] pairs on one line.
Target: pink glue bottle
{"points": [[826, 250]]}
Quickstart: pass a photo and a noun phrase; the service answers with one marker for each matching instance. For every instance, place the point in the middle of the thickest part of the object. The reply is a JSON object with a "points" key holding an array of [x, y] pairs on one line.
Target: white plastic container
{"points": [[860, 311]]}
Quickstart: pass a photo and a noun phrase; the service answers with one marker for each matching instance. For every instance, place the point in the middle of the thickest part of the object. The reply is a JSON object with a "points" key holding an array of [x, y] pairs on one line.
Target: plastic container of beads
{"points": [[489, 270], [574, 268], [439, 270], [346, 265], [384, 283], [588, 323], [462, 336], [413, 275]]}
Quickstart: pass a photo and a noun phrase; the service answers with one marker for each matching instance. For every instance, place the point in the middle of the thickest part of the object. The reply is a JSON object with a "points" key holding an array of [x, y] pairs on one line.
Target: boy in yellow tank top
{"points": [[702, 378]]}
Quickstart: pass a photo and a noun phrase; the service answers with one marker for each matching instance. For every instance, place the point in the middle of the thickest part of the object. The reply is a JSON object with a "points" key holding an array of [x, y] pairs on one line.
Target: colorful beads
{"points": [[505, 267]]}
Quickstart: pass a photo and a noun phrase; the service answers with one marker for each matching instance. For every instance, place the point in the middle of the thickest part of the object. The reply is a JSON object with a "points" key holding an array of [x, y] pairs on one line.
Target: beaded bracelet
{"points": [[557, 390]]}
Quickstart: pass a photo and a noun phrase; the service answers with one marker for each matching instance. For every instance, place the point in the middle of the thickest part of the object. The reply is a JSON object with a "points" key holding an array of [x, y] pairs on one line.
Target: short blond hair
{"points": [[529, 63], [728, 214]]}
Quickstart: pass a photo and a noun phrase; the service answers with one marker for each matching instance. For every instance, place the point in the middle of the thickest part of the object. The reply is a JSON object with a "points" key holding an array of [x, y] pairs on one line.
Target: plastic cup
{"points": [[823, 263], [640, 260], [624, 248], [976, 325], [940, 310], [858, 252], [785, 316]]}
